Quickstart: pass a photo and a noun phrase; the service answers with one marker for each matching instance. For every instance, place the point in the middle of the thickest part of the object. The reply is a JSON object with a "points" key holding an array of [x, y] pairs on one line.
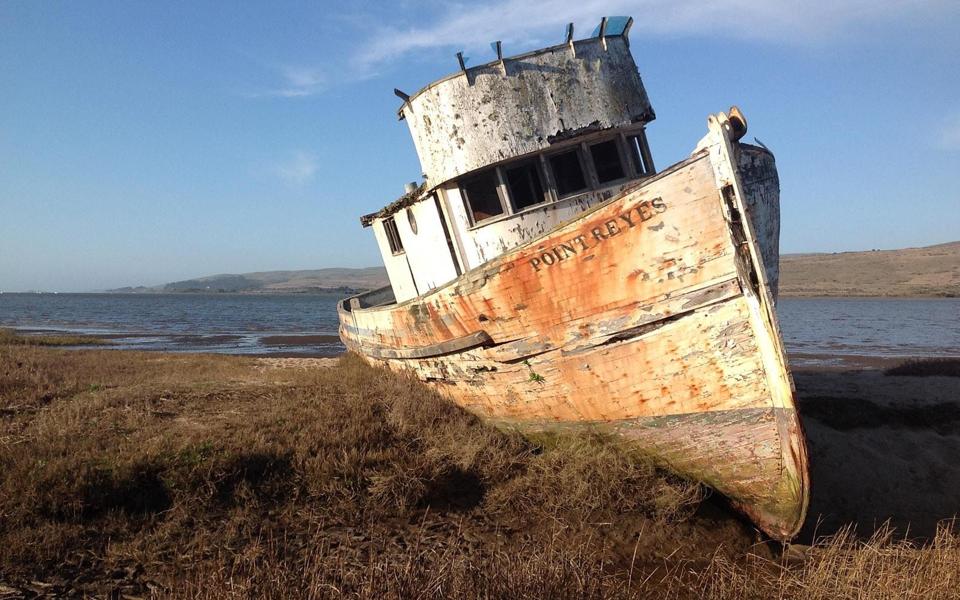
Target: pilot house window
{"points": [[637, 146], [526, 187], [568, 173], [393, 236], [606, 161], [560, 173], [482, 196]]}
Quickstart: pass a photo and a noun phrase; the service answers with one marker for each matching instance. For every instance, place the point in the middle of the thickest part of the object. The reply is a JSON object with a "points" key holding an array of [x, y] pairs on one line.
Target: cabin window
{"points": [[606, 161], [639, 153], [481, 194], [393, 236], [568, 173], [525, 184]]}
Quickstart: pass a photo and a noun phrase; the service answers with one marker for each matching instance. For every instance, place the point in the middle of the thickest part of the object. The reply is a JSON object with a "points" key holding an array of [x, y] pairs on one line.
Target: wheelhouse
{"points": [[509, 150]]}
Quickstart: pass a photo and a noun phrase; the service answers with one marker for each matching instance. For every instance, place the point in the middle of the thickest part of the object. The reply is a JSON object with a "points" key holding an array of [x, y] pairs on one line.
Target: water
{"points": [[836, 330], [816, 330], [226, 323]]}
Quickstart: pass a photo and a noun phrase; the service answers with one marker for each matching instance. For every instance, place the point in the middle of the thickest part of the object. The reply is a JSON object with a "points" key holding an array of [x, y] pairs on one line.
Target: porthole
{"points": [[413, 220]]}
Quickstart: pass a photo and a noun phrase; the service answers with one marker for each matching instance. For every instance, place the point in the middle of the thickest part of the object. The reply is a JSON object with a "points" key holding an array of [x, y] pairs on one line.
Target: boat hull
{"points": [[649, 317]]}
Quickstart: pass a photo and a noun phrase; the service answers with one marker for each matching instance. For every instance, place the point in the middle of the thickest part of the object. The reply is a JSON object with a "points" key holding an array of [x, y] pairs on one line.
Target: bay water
{"points": [[815, 330]]}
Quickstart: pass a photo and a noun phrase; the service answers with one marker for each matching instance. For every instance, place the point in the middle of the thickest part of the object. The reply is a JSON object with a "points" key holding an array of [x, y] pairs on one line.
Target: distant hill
{"points": [[272, 282], [928, 271]]}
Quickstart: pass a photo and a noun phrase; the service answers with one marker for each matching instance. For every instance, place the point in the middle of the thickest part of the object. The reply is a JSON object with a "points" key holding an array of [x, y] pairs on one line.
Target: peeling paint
{"points": [[643, 308], [572, 93], [630, 333]]}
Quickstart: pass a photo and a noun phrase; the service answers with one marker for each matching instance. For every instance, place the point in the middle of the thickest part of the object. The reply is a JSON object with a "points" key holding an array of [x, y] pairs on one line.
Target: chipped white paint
{"points": [[761, 184], [647, 316], [398, 269], [474, 119], [551, 99], [492, 238]]}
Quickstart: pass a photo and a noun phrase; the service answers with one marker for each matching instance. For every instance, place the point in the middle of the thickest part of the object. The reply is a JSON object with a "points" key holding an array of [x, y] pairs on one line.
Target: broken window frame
{"points": [[584, 172], [536, 164], [500, 188], [392, 234], [631, 170], [639, 152], [625, 168]]}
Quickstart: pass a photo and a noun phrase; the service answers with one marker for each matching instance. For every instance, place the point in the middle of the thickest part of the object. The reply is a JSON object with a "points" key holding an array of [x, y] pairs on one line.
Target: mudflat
{"points": [[927, 271], [201, 476]]}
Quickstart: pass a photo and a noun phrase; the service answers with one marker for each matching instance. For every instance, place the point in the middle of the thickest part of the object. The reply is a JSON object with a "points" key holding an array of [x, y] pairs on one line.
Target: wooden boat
{"points": [[641, 306]]}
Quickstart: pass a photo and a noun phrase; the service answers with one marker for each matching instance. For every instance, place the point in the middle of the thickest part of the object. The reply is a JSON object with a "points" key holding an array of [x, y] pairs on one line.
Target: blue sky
{"points": [[148, 142]]}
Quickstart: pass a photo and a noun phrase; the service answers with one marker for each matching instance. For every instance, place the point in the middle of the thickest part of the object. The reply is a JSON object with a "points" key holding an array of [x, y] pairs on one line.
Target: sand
{"points": [[296, 362], [882, 448]]}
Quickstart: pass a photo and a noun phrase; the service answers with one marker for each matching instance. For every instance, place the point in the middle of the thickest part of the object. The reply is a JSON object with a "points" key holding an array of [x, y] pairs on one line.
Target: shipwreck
{"points": [[545, 275]]}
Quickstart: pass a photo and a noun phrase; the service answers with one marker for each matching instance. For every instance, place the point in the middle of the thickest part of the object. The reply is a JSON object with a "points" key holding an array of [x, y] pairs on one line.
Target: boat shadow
{"points": [[882, 449]]}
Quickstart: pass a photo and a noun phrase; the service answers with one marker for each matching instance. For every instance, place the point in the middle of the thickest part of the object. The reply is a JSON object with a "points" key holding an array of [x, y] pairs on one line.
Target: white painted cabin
{"points": [[509, 150]]}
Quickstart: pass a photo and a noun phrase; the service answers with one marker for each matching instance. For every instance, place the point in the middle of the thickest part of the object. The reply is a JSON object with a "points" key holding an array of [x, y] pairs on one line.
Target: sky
{"points": [[148, 142]]}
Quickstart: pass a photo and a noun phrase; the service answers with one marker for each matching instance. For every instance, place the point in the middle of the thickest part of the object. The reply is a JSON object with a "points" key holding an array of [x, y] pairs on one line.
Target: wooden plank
{"points": [[614, 258], [638, 317], [479, 338]]}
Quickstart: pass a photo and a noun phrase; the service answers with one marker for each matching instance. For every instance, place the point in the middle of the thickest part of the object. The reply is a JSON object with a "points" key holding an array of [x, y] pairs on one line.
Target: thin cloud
{"points": [[950, 134], [523, 25], [300, 170], [302, 81], [297, 82], [520, 22]]}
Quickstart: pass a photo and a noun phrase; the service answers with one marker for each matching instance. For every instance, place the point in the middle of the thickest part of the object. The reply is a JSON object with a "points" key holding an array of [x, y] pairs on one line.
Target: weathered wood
{"points": [[758, 172], [524, 104], [649, 316], [459, 344]]}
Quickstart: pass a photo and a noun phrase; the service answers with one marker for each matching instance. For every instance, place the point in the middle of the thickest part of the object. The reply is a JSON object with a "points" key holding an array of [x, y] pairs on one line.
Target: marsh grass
{"points": [[10, 337], [192, 476]]}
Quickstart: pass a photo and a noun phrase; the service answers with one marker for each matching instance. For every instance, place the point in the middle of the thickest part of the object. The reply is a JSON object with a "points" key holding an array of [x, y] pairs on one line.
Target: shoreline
{"points": [[305, 345], [345, 294], [839, 296]]}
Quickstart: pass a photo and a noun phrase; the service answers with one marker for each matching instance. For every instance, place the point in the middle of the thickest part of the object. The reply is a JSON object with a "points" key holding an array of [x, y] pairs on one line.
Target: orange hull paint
{"points": [[649, 316]]}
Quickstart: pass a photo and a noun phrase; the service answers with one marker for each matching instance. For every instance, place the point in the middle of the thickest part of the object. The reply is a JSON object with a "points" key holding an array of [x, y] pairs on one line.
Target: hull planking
{"points": [[649, 317]]}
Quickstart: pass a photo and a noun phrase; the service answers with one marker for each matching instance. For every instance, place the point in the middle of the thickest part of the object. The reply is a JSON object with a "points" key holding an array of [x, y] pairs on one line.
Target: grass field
{"points": [[197, 476], [931, 271]]}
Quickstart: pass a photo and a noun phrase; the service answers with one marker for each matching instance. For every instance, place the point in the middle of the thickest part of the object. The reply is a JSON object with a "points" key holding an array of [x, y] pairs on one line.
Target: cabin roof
{"points": [[592, 99], [400, 203], [613, 27], [520, 105]]}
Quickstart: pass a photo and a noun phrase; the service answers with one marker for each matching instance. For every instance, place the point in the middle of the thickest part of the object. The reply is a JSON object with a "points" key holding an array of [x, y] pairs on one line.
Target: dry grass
{"points": [[931, 271], [10, 337], [213, 477]]}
